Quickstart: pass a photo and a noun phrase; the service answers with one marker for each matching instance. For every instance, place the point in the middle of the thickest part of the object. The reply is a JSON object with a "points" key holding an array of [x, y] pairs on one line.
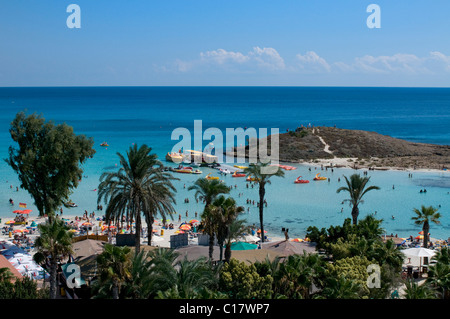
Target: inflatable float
{"points": [[211, 177], [301, 181], [319, 178], [236, 174], [251, 179]]}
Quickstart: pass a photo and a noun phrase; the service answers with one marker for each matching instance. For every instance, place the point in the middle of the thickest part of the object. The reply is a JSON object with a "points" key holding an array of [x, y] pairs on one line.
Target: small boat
{"points": [[104, 144], [241, 167], [70, 204], [236, 174], [184, 171], [301, 181], [211, 177], [251, 179], [320, 178], [285, 167], [197, 171]]}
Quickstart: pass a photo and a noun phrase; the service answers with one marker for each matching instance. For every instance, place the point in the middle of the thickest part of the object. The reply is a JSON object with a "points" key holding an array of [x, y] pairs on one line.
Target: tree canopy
{"points": [[47, 159]]}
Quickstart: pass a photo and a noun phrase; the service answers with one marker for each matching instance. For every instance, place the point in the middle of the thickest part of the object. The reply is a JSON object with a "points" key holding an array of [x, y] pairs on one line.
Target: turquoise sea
{"points": [[126, 115]]}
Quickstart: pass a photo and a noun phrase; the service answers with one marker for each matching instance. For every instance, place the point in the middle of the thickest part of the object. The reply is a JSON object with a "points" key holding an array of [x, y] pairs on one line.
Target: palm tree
{"points": [[54, 242], [356, 187], [140, 185], [296, 276], [424, 217], [179, 279], [207, 191], [439, 273], [414, 291], [114, 267], [388, 253], [235, 230], [259, 172], [341, 288], [225, 212], [370, 227]]}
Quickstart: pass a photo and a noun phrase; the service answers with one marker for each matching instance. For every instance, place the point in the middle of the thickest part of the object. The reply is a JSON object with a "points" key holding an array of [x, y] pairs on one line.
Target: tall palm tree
{"points": [[356, 187], [424, 217], [140, 186], [207, 191], [55, 241], [114, 267], [225, 212], [259, 172]]}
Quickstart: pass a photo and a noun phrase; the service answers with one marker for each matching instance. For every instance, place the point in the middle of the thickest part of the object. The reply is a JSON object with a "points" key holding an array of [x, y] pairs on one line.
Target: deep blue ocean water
{"points": [[125, 115]]}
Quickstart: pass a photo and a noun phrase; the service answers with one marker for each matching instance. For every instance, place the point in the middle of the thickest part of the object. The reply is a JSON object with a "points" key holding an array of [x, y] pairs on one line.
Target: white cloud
{"points": [[267, 59], [313, 62], [222, 56]]}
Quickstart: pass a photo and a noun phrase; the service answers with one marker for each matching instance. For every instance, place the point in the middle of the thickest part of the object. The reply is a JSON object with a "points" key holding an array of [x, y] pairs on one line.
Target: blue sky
{"points": [[246, 42]]}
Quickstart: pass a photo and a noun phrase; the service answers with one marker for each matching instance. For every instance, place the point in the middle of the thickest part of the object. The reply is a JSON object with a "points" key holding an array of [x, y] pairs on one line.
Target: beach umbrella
{"points": [[298, 240], [21, 231], [240, 245], [10, 222], [18, 211], [419, 252], [185, 227], [26, 211], [86, 224], [193, 221]]}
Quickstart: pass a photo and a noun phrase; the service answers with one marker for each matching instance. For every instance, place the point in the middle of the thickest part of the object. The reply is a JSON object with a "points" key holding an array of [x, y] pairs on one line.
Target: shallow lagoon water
{"points": [[123, 116]]}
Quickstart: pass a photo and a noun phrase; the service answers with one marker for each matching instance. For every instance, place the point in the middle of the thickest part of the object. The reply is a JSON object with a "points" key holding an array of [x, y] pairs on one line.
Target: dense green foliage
{"points": [[47, 159], [24, 288]]}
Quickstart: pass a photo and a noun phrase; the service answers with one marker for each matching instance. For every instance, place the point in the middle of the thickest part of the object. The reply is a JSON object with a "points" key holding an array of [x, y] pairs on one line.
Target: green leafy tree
{"points": [[241, 281], [47, 159], [262, 174], [356, 187], [351, 268], [23, 288], [424, 217], [54, 242], [139, 186]]}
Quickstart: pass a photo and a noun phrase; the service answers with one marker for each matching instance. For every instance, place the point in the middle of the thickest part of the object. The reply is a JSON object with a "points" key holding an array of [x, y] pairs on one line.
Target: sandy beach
{"points": [[161, 235]]}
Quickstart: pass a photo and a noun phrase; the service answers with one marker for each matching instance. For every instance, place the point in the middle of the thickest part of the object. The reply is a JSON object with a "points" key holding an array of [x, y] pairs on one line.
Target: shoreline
{"points": [[348, 161]]}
